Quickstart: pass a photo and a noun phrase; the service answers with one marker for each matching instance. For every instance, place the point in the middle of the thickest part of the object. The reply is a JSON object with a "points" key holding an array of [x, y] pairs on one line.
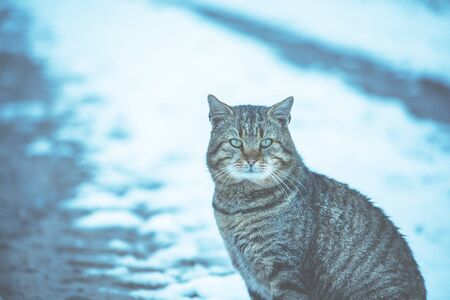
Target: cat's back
{"points": [[358, 253]]}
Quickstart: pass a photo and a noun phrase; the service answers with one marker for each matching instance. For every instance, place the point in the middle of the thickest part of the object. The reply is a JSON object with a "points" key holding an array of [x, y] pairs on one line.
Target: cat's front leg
{"points": [[288, 290], [289, 295], [254, 295]]}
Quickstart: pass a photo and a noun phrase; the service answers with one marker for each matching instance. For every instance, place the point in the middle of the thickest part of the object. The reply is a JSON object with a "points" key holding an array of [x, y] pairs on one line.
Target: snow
{"points": [[148, 134], [406, 34], [208, 287], [155, 278], [39, 147], [91, 198], [108, 219], [168, 226], [33, 110], [118, 244]]}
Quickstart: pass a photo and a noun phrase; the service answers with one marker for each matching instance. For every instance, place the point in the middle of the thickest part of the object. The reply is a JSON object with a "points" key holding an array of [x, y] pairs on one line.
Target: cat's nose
{"points": [[251, 162]]}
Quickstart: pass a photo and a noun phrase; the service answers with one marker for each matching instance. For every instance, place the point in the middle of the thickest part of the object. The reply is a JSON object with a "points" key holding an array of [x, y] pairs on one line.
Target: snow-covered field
{"points": [[405, 34], [145, 69]]}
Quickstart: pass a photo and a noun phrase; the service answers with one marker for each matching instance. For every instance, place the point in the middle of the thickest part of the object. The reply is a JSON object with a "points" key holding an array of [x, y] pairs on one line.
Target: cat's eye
{"points": [[266, 143], [236, 143]]}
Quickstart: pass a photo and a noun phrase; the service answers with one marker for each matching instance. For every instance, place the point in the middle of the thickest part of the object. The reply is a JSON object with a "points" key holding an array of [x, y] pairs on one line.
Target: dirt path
{"points": [[34, 231]]}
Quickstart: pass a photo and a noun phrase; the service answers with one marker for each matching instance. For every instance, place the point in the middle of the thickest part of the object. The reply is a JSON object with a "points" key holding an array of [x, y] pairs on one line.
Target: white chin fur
{"points": [[255, 176]]}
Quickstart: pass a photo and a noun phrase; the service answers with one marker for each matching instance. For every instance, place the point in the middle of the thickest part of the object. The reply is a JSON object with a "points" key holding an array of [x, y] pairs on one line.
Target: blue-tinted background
{"points": [[104, 192]]}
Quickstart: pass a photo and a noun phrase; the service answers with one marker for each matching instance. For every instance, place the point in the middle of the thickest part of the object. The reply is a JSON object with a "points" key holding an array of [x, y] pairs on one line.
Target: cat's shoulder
{"points": [[338, 194], [340, 204], [328, 185]]}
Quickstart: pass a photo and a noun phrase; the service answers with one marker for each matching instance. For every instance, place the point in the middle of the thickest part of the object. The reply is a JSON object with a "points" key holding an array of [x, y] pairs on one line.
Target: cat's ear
{"points": [[218, 110], [282, 111]]}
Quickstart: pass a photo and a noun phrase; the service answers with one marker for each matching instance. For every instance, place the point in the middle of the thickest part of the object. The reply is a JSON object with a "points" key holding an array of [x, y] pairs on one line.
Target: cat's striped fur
{"points": [[292, 233]]}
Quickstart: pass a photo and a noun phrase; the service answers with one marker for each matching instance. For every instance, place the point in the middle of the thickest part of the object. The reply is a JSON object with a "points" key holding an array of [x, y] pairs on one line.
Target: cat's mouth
{"points": [[251, 170], [253, 174]]}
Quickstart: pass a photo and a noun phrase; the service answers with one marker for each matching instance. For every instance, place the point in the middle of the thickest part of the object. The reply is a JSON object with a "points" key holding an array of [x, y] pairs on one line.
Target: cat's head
{"points": [[250, 142]]}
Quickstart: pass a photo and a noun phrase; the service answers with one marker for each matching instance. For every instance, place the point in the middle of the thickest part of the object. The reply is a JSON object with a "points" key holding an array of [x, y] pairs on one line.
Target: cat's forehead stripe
{"points": [[261, 131], [241, 132], [249, 119]]}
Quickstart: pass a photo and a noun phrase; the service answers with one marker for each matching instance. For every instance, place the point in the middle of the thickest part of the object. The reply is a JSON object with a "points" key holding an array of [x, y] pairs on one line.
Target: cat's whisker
{"points": [[292, 179], [278, 183], [202, 180], [230, 173], [285, 187], [225, 179], [218, 175]]}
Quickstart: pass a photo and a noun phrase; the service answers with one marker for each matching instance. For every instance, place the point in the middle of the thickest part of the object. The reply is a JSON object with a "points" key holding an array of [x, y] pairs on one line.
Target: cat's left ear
{"points": [[282, 110], [218, 111]]}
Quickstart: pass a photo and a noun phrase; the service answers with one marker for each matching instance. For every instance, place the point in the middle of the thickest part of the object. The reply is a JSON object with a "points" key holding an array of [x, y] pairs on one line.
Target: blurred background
{"points": [[104, 191]]}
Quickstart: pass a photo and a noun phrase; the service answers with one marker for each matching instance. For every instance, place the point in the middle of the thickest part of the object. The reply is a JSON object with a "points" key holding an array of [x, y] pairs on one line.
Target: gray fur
{"points": [[293, 233]]}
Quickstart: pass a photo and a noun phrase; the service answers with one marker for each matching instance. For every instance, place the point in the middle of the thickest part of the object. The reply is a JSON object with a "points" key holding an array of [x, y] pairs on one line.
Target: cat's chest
{"points": [[250, 237], [247, 233], [247, 240]]}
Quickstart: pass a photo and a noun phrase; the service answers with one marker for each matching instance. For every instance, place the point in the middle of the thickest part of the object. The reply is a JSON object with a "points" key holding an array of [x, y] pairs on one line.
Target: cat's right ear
{"points": [[218, 110], [282, 111]]}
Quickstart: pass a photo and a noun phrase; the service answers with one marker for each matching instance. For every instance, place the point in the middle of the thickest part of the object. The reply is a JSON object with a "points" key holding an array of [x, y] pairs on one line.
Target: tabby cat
{"points": [[293, 233]]}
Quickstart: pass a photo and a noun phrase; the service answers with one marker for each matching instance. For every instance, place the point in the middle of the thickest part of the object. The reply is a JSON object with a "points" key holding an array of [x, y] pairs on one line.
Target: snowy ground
{"points": [[149, 67]]}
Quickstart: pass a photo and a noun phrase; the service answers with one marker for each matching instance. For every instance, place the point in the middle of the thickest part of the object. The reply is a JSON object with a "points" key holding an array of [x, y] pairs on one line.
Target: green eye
{"points": [[236, 143], [266, 143]]}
